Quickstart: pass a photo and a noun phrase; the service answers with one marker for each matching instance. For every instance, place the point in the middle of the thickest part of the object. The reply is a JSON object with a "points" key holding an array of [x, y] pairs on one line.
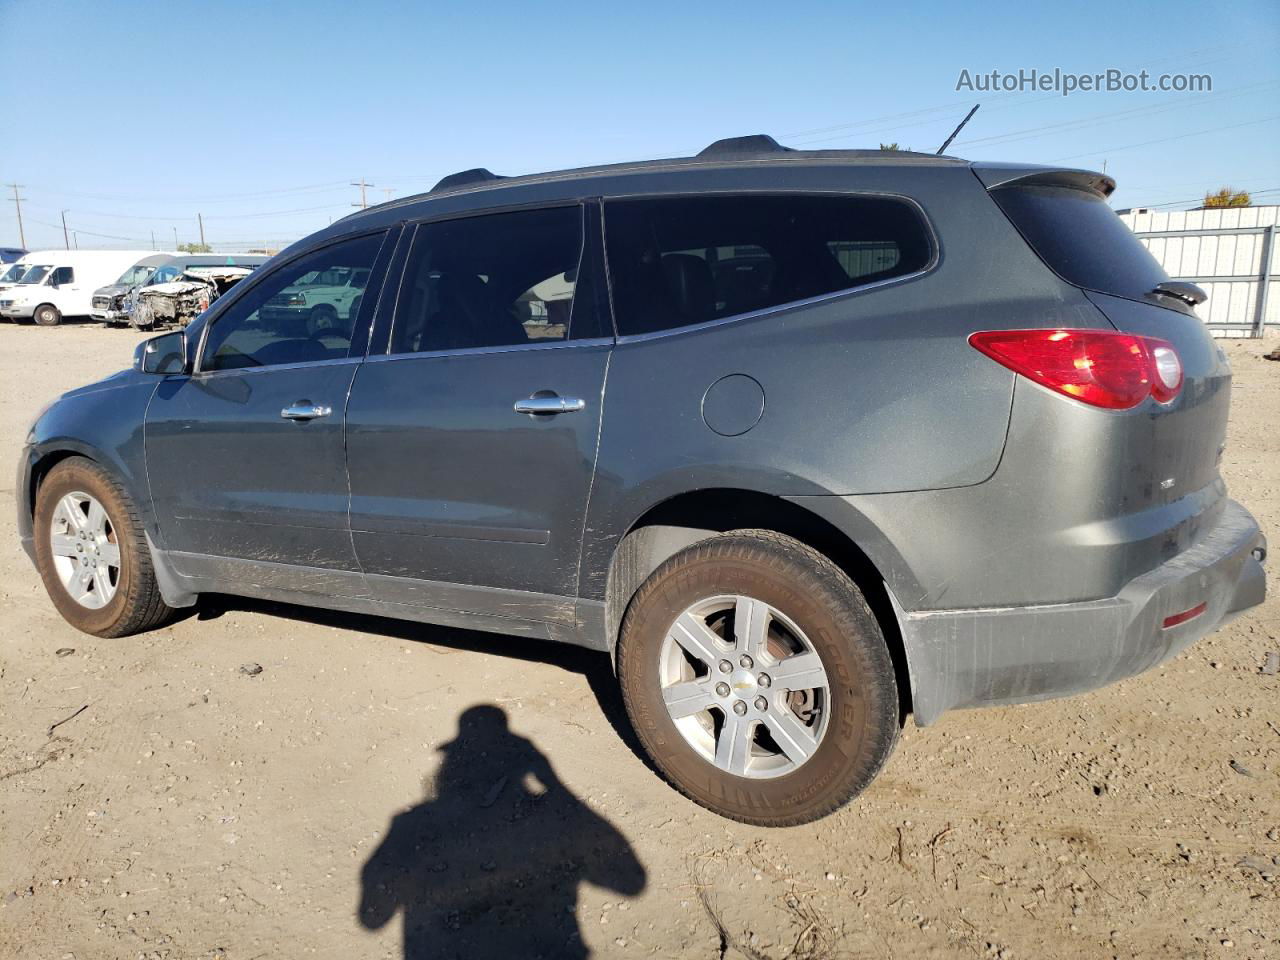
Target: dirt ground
{"points": [[159, 801]]}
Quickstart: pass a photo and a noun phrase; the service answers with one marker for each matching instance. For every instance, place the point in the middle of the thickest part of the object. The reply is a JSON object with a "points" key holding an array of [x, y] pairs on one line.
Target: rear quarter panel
{"points": [[874, 392]]}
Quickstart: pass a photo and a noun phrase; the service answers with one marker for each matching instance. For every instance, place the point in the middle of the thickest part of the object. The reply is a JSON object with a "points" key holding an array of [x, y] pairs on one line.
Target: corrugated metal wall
{"points": [[1222, 251]]}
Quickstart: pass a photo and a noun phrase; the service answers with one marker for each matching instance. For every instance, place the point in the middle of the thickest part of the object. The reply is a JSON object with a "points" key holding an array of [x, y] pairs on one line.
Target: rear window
{"points": [[676, 261], [1081, 239]]}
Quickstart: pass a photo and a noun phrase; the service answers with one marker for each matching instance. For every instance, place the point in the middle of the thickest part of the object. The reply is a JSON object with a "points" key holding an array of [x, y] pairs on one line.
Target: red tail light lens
{"points": [[1116, 371]]}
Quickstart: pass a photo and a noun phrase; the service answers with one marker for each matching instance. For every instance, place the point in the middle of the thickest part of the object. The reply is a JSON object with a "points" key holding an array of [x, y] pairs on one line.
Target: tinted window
{"points": [[135, 275], [63, 275], [1082, 239], [282, 320], [682, 260], [490, 281]]}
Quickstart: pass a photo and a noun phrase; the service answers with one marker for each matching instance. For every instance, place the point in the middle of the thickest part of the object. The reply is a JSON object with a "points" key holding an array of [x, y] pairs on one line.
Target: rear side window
{"points": [[1081, 239], [676, 261]]}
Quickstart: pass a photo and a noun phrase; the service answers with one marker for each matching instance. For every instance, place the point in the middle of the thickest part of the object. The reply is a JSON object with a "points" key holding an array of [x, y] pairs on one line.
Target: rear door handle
{"points": [[305, 410], [549, 405]]}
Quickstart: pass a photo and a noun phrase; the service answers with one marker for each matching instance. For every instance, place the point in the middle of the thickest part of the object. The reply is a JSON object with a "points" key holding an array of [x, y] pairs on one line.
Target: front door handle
{"points": [[549, 404], [305, 410]]}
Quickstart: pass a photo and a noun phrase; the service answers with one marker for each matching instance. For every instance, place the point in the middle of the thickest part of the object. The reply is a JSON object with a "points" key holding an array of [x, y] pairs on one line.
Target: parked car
{"points": [[60, 283], [11, 274], [11, 254], [868, 479], [108, 303], [184, 286], [320, 301]]}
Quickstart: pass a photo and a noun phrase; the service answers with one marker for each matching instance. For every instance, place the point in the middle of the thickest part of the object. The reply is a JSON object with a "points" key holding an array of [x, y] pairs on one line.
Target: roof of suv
{"points": [[754, 148]]}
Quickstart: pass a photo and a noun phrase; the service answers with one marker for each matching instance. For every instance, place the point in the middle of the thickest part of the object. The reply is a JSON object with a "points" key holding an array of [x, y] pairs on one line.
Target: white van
{"points": [[60, 283], [11, 273]]}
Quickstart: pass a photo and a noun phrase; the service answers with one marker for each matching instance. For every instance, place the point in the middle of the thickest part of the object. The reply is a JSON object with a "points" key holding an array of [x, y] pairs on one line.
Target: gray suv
{"points": [[804, 441]]}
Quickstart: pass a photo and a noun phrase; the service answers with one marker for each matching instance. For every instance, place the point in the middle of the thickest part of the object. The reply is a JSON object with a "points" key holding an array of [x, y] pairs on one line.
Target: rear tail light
{"points": [[1116, 371]]}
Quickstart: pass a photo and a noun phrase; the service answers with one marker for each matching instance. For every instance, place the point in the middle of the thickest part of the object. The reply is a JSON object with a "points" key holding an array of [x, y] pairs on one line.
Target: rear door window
{"points": [[1081, 239], [495, 280], [676, 261]]}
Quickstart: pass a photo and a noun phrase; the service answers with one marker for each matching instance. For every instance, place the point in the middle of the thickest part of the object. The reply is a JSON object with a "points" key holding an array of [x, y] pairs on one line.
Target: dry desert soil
{"points": [[382, 789]]}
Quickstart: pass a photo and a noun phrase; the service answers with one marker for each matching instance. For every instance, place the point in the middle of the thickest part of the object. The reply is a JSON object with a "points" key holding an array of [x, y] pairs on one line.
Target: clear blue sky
{"points": [[135, 116]]}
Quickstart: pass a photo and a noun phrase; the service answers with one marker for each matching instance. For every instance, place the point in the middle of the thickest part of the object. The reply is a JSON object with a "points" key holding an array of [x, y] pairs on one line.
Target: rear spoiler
{"points": [[997, 175]]}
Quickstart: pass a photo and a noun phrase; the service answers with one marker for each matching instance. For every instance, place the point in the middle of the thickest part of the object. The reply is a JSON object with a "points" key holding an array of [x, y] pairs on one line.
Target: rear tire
{"points": [[47, 315], [134, 603], [848, 722]]}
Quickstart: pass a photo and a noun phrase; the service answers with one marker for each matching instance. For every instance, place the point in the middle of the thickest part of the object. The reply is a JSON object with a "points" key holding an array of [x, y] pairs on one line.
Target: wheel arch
{"points": [[687, 518], [42, 463]]}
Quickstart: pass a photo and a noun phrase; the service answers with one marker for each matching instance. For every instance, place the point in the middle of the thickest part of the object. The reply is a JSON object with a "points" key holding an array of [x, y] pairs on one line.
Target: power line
{"points": [[216, 216], [1013, 98], [1200, 199], [1161, 107], [219, 198], [1180, 136]]}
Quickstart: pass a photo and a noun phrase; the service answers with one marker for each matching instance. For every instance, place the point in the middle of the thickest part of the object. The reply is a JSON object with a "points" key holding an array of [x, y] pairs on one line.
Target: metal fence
{"points": [[1230, 252]]}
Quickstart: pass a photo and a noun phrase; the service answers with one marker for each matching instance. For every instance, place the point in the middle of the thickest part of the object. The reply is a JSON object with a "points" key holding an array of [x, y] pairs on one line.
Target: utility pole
{"points": [[175, 239], [363, 204], [201, 219], [66, 241], [153, 239], [75, 238], [388, 191], [17, 202]]}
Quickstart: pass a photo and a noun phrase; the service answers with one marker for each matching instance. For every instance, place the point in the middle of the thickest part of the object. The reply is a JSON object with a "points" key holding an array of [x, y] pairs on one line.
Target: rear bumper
{"points": [[977, 657]]}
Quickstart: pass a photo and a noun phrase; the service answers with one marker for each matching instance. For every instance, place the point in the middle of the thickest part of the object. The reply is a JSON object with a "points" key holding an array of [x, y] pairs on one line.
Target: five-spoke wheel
{"points": [[757, 678], [92, 552], [85, 551], [744, 686]]}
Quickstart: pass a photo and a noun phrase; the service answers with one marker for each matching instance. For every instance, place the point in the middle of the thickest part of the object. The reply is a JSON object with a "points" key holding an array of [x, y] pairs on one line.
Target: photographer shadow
{"points": [[491, 862]]}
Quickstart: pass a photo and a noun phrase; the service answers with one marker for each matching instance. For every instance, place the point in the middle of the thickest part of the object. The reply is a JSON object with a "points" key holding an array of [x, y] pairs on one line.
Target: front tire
{"points": [[92, 553], [47, 315], [758, 680]]}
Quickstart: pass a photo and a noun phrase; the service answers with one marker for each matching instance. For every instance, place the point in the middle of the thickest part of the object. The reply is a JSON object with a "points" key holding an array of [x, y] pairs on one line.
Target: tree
{"points": [[194, 248], [1227, 197], [892, 146]]}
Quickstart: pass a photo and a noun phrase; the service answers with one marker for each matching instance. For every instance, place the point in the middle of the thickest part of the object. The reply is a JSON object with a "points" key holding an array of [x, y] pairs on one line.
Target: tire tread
{"points": [[144, 608], [815, 574]]}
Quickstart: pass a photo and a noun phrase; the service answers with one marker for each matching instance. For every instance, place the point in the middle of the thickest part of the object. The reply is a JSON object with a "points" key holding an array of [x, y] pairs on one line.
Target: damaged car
{"points": [[179, 301], [109, 303]]}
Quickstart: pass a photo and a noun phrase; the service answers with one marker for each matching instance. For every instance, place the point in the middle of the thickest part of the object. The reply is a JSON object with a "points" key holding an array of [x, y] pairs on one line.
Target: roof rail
{"points": [[465, 177], [754, 143]]}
